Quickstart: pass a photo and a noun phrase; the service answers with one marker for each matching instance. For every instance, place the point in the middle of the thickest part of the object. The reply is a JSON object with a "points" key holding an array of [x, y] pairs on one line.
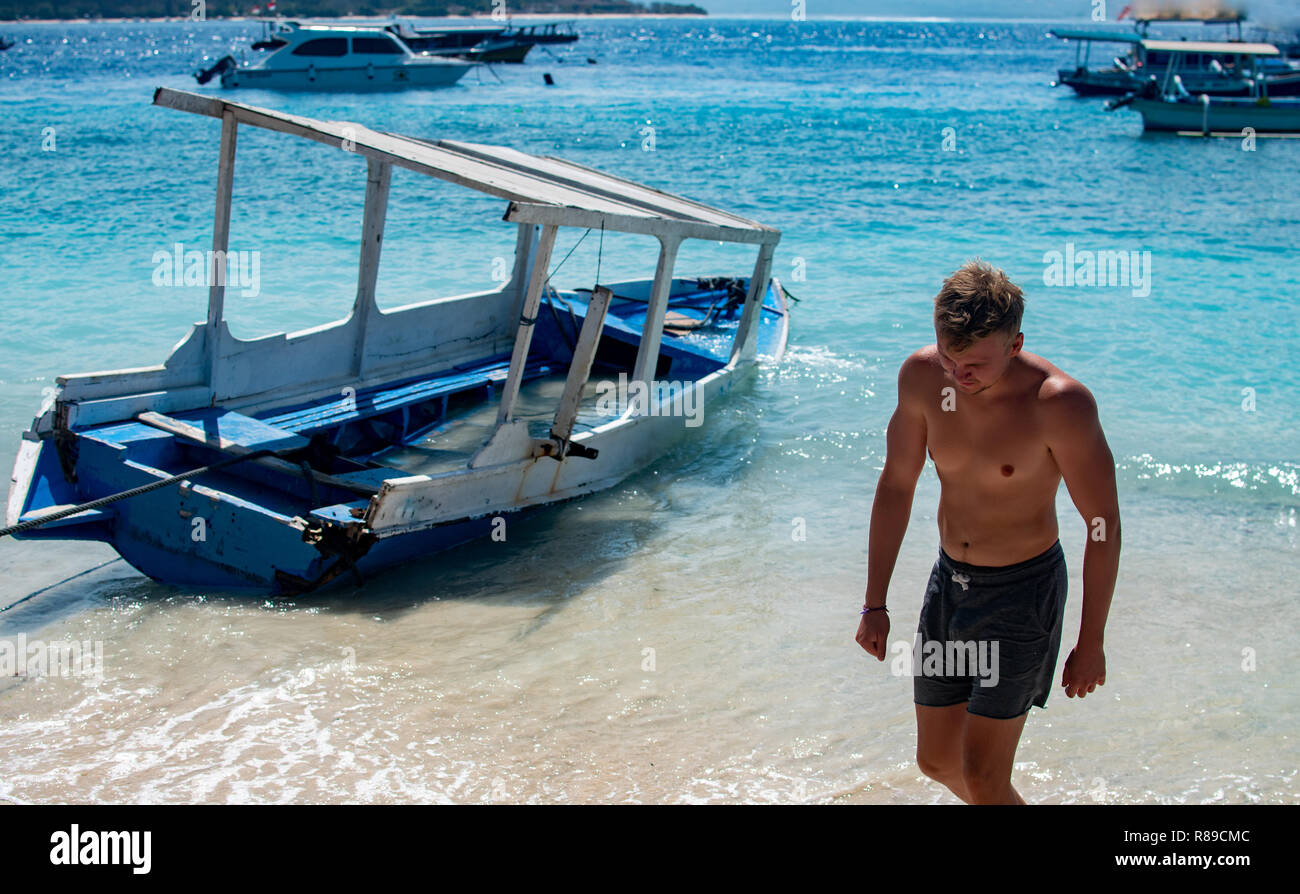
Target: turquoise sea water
{"points": [[834, 132]]}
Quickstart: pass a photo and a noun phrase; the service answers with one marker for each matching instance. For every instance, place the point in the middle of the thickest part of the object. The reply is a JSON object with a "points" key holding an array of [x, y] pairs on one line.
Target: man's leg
{"points": [[940, 733], [988, 748]]}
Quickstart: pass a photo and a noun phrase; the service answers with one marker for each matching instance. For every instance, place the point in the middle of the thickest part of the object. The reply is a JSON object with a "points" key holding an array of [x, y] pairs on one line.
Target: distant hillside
{"points": [[122, 9]]}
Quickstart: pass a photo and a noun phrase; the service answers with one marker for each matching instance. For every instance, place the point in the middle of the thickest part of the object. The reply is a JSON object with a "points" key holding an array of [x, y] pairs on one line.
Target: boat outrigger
{"points": [[282, 462]]}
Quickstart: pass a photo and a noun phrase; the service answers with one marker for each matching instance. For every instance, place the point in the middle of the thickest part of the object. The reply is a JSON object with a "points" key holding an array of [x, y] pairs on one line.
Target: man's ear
{"points": [[1016, 344]]}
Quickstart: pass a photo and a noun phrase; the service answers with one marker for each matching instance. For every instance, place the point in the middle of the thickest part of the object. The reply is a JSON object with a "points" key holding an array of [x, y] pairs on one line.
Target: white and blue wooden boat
{"points": [[394, 433], [334, 57]]}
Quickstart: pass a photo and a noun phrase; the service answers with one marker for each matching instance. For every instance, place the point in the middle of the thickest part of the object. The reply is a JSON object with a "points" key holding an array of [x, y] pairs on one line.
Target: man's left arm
{"points": [[1084, 458]]}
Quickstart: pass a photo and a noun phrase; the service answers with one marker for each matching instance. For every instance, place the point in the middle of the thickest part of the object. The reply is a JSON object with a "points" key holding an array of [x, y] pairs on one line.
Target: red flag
{"points": [[1123, 12]]}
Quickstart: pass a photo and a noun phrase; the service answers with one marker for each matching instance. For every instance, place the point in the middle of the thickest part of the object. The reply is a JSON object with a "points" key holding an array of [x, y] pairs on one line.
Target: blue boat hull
{"points": [[275, 529]]}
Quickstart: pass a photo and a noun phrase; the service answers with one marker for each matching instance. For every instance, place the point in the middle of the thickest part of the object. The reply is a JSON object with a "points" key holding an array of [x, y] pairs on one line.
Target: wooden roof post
{"points": [[584, 355], [745, 345], [525, 242], [220, 246], [527, 320], [647, 357], [379, 175]]}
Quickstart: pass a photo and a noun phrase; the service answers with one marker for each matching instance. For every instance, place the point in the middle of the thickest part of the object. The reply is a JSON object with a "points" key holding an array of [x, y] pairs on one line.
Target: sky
{"points": [[1271, 11], [909, 8]]}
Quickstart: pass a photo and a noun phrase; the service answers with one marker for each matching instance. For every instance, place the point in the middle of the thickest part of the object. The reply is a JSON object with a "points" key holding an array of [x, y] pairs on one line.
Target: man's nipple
{"points": [[1008, 471]]}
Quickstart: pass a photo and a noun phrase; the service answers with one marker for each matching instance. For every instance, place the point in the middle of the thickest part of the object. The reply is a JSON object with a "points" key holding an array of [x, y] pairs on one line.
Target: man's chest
{"points": [[1006, 443]]}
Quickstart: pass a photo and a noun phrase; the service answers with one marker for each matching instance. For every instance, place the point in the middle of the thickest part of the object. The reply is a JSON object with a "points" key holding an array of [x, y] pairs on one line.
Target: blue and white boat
{"points": [[281, 462], [1168, 104], [1226, 71]]}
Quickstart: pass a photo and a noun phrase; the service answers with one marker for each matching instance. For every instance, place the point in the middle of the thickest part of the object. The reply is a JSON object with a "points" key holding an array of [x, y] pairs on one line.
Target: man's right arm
{"points": [[891, 509]]}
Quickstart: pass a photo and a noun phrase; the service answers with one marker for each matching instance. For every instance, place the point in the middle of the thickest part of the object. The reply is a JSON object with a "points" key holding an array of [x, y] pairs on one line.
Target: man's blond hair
{"points": [[976, 301]]}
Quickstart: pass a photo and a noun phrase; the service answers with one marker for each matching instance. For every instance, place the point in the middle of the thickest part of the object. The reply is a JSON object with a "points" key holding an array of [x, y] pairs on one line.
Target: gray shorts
{"points": [[989, 635]]}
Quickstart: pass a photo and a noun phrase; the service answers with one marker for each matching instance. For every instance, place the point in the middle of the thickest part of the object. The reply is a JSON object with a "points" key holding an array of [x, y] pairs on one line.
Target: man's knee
{"points": [[984, 783], [987, 777], [937, 768], [987, 756]]}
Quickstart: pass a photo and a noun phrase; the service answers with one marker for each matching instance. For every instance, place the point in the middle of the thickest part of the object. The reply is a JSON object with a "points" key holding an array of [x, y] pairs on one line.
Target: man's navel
{"points": [[1008, 471]]}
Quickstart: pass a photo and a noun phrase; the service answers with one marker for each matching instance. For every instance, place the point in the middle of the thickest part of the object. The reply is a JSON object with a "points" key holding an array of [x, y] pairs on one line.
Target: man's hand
{"points": [[1085, 670], [1079, 447], [905, 441], [873, 631]]}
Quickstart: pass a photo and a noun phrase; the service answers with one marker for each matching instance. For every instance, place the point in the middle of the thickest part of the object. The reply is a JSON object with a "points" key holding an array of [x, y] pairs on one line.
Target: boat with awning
{"points": [[1167, 103], [285, 461]]}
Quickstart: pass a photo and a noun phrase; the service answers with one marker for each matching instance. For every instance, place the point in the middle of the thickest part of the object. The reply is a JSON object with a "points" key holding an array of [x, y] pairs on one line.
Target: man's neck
{"points": [[1002, 384]]}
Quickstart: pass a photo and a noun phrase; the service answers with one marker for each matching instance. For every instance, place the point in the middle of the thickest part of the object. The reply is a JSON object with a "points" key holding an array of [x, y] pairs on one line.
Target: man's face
{"points": [[981, 363]]}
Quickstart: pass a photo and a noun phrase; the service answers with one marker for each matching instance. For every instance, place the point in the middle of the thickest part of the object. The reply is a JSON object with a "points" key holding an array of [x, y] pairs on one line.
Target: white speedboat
{"points": [[334, 57]]}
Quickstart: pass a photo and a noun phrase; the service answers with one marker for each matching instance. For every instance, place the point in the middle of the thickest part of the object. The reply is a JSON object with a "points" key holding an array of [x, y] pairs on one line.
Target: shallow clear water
{"points": [[519, 670]]}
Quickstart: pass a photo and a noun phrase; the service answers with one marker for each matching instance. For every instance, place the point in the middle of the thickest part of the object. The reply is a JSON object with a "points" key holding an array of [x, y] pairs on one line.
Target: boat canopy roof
{"points": [[541, 189], [406, 29], [1202, 46], [1104, 36], [329, 27]]}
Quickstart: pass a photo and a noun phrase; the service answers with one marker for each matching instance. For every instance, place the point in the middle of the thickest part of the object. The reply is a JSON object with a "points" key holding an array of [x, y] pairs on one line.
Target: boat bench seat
{"points": [[221, 424], [380, 399], [217, 424]]}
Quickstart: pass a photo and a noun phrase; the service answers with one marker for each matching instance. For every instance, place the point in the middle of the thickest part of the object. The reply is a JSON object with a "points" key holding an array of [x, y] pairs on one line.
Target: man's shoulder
{"points": [[1061, 396], [919, 371], [923, 362]]}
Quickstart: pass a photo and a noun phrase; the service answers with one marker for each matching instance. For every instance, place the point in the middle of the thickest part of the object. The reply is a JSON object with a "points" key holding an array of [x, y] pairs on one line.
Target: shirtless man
{"points": [[1003, 428]]}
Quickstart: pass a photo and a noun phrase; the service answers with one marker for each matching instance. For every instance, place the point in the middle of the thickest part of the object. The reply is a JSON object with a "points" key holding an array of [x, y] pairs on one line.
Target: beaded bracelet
{"points": [[878, 608]]}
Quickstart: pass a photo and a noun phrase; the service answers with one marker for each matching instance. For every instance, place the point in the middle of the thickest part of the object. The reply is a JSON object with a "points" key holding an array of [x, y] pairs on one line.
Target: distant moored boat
{"points": [[334, 57], [504, 43], [1167, 104]]}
